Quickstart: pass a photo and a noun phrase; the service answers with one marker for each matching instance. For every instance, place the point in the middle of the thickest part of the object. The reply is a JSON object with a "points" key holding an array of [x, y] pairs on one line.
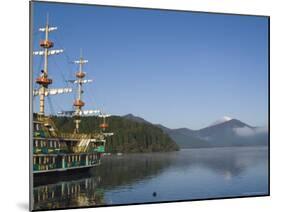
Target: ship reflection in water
{"points": [[68, 194], [152, 177]]}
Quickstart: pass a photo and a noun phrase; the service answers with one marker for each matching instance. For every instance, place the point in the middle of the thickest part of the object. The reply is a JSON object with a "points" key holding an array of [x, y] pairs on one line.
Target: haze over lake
{"points": [[152, 177]]}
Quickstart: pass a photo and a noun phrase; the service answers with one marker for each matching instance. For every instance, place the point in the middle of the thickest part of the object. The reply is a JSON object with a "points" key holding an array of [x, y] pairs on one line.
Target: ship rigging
{"points": [[54, 150]]}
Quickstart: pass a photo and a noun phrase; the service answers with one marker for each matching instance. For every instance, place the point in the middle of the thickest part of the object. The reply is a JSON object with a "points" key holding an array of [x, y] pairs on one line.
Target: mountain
{"points": [[130, 135], [221, 120], [232, 133], [135, 118], [185, 138], [224, 132]]}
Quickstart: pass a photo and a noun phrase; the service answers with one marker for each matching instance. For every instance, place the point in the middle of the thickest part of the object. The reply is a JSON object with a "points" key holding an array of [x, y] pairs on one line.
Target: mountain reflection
{"points": [[126, 171], [227, 162]]}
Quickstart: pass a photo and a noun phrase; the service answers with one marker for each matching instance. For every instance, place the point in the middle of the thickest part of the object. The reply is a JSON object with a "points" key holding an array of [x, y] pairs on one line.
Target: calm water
{"points": [[184, 175]]}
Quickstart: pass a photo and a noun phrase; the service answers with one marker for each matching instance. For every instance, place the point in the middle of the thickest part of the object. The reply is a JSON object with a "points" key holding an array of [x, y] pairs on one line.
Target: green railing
{"points": [[99, 149], [37, 167], [40, 133], [46, 150]]}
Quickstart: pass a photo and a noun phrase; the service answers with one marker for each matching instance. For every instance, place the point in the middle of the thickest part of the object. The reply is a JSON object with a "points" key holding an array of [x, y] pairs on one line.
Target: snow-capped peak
{"points": [[221, 120]]}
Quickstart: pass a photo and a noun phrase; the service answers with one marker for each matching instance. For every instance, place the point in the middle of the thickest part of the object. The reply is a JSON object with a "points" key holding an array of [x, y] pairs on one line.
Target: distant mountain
{"points": [[232, 133], [222, 133], [185, 138], [221, 120], [135, 118]]}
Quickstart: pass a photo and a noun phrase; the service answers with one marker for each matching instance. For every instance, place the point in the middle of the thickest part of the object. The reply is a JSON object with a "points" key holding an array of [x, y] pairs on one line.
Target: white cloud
{"points": [[262, 130], [247, 131], [244, 131]]}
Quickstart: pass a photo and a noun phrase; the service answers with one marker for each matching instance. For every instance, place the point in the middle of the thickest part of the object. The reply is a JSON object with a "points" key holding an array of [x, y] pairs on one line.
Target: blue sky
{"points": [[180, 69]]}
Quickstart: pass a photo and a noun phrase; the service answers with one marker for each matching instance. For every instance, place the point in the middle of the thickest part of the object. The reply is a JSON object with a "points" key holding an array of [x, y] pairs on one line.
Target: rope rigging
{"points": [[50, 103], [45, 43]]}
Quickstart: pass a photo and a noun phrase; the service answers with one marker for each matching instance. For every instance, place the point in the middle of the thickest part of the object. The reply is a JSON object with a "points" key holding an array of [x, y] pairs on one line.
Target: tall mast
{"points": [[43, 80], [78, 103], [103, 125]]}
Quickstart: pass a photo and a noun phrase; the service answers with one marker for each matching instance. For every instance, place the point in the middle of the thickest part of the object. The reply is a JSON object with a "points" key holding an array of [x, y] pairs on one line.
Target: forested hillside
{"points": [[129, 135]]}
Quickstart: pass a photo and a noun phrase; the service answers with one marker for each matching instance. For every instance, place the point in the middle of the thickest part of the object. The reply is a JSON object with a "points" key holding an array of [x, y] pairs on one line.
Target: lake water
{"points": [[184, 175]]}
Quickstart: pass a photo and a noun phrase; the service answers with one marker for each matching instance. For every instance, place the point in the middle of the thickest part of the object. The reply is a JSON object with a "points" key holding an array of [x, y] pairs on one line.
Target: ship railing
{"points": [[97, 136]]}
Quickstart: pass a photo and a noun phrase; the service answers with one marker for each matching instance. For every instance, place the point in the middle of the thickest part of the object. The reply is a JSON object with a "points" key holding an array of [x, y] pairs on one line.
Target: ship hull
{"points": [[61, 156], [54, 176]]}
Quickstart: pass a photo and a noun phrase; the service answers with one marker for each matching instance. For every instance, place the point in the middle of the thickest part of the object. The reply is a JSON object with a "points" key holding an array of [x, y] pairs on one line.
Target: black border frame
{"points": [[142, 8]]}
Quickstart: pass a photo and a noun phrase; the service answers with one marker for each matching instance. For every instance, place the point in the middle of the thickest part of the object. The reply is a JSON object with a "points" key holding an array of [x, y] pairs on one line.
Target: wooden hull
{"points": [[51, 177]]}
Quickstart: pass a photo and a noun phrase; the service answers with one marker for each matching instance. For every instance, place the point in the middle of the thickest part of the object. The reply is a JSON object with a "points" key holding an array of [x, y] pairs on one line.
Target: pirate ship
{"points": [[54, 151]]}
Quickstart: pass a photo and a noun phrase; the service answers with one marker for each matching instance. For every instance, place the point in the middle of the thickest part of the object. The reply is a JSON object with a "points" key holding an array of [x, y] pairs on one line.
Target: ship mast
{"points": [[78, 103], [44, 81], [104, 125]]}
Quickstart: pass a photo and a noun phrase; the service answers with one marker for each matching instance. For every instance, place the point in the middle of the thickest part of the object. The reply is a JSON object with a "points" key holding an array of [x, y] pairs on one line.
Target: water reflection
{"points": [[230, 161], [68, 194], [131, 168], [187, 174]]}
